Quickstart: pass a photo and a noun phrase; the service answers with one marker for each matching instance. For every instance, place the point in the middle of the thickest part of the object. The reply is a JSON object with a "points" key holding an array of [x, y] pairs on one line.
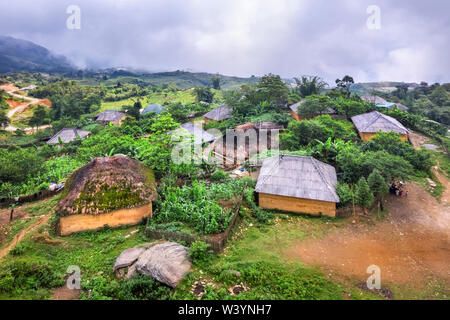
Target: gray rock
{"points": [[166, 262], [127, 258], [132, 272], [430, 146]]}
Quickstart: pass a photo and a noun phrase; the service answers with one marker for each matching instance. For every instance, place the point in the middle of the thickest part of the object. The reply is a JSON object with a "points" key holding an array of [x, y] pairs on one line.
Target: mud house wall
{"points": [[366, 136], [295, 115], [297, 205], [116, 218]]}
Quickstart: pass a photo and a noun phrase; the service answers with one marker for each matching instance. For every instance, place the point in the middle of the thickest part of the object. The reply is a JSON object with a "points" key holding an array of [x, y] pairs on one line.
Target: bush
{"points": [[218, 176], [199, 252]]}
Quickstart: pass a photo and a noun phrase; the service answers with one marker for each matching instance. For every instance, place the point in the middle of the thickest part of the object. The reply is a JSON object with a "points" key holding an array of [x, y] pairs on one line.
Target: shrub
{"points": [[199, 252], [219, 175]]}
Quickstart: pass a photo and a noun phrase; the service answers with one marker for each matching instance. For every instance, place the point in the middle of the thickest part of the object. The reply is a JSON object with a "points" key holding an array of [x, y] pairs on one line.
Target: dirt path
{"points": [[445, 199], [10, 89], [410, 246], [12, 244], [417, 140]]}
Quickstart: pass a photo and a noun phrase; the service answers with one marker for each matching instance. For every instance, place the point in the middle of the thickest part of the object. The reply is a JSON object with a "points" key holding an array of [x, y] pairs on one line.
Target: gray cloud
{"points": [[236, 37]]}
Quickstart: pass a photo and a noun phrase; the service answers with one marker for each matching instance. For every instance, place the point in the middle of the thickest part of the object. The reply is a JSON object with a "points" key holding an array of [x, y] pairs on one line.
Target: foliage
{"points": [[353, 163], [219, 176], [391, 143], [378, 186], [309, 85], [204, 94], [199, 252], [363, 194], [196, 205], [345, 193]]}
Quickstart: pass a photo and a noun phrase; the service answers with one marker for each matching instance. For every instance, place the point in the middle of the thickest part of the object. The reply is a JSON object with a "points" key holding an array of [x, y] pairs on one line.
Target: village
{"points": [[272, 180]]}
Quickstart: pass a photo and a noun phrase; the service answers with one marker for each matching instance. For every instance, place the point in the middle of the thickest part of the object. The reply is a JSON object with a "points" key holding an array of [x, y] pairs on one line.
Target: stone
{"points": [[166, 262], [127, 258]]}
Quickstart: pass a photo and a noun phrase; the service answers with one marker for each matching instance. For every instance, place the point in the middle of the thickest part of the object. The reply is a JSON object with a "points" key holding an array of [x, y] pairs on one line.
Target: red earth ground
{"points": [[410, 246]]}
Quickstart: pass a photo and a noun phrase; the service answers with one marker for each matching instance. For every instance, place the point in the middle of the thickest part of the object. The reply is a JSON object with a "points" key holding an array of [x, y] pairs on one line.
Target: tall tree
{"points": [[215, 81], [204, 94], [4, 120], [273, 89], [378, 186], [363, 195], [345, 83], [308, 85]]}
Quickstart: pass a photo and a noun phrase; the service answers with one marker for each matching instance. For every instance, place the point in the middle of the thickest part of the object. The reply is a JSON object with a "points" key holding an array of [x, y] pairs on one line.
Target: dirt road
{"points": [[411, 246]]}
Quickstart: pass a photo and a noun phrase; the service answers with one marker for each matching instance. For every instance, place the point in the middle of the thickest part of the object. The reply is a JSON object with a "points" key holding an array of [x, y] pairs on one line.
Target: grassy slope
{"points": [[184, 96]]}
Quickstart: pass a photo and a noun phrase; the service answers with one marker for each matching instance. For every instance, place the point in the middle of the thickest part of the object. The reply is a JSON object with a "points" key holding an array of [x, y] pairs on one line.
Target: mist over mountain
{"points": [[22, 55]]}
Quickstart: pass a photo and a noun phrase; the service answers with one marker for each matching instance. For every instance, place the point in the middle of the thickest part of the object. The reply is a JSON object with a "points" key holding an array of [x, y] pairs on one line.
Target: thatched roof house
{"points": [[368, 124], [156, 108], [67, 135], [111, 191], [297, 184], [373, 99], [200, 136], [295, 112], [219, 113], [110, 116]]}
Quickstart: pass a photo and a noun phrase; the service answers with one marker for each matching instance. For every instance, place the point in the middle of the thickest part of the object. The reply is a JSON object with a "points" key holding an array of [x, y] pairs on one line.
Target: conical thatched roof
{"points": [[220, 113], [375, 121], [107, 184], [298, 177]]}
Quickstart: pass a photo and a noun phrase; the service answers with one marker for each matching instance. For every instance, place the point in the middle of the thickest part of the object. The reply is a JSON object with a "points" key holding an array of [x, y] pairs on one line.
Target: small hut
{"points": [[110, 116], [200, 136], [156, 108], [368, 124], [111, 191], [67, 135], [219, 113], [297, 184]]}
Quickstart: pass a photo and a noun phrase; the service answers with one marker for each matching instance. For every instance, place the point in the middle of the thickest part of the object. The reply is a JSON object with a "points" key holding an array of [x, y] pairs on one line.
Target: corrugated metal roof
{"points": [[68, 135], [219, 113], [299, 177], [375, 121]]}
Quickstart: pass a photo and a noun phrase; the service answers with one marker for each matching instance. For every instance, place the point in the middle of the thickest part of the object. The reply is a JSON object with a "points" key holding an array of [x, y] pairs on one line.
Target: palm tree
{"points": [[308, 85]]}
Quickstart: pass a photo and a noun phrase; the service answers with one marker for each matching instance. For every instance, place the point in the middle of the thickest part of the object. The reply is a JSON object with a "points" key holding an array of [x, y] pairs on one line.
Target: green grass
{"points": [[183, 96]]}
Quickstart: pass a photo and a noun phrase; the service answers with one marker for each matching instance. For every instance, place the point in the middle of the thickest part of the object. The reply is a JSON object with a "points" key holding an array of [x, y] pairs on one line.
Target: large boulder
{"points": [[167, 262], [106, 184], [127, 258]]}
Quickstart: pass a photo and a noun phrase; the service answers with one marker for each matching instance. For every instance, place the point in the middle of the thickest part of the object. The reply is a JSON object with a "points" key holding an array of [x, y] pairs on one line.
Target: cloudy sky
{"points": [[329, 38]]}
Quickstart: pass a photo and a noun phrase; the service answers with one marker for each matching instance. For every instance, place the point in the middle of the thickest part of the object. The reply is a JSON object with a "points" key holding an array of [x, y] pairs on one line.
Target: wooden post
{"points": [[11, 215]]}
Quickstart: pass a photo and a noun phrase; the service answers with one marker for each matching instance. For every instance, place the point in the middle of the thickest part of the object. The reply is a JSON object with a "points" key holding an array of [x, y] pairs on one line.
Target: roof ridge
{"points": [[280, 158], [372, 122], [313, 160]]}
